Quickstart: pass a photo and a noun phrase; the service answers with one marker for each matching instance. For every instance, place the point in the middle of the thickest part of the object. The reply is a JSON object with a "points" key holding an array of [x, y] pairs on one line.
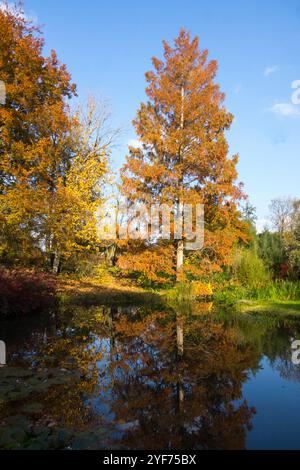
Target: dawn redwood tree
{"points": [[183, 152]]}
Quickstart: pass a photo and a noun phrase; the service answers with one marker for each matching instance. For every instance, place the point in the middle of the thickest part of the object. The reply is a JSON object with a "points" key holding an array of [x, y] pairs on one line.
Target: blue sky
{"points": [[107, 46]]}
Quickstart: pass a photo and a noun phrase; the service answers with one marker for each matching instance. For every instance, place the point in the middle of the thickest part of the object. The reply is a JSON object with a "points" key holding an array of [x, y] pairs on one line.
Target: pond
{"points": [[136, 377]]}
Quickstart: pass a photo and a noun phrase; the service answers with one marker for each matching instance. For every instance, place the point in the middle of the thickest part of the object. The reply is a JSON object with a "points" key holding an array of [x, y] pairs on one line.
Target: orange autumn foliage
{"points": [[52, 162], [152, 263], [35, 144], [183, 156]]}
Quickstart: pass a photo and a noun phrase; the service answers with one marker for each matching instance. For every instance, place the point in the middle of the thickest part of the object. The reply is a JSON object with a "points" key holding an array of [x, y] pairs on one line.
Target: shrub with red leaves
{"points": [[25, 292]]}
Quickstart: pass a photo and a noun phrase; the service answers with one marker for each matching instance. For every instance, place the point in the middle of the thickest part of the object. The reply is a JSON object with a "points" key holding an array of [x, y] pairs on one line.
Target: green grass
{"points": [[183, 291], [276, 291], [287, 308], [274, 297]]}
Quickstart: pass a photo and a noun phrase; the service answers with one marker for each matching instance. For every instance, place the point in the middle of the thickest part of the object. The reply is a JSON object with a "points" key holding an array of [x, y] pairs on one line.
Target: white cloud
{"points": [[269, 70], [134, 143], [285, 109]]}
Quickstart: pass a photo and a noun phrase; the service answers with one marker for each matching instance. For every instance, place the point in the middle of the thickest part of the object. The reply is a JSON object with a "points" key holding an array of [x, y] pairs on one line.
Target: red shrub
{"points": [[24, 292]]}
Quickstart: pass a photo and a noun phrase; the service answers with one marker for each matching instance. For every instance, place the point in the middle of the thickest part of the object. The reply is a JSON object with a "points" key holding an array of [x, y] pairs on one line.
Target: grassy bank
{"points": [[93, 291], [287, 308], [274, 297], [26, 292]]}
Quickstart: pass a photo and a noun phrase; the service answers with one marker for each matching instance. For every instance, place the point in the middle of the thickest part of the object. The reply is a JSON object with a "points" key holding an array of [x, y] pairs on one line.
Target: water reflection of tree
{"points": [[72, 345], [169, 380], [175, 382], [270, 337]]}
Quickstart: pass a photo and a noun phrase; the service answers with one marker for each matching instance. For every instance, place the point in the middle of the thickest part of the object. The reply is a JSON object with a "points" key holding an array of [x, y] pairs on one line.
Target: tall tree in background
{"points": [[291, 240], [281, 213], [69, 223], [52, 163], [35, 117], [183, 157]]}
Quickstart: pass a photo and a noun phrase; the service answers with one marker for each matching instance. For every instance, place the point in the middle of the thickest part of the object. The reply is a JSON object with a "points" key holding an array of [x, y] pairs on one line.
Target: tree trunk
{"points": [[180, 349], [179, 335], [180, 247], [56, 262], [180, 244], [110, 254], [2, 354]]}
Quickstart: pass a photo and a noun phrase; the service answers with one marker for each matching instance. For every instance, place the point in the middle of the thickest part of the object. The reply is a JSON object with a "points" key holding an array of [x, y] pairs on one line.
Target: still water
{"points": [[137, 377]]}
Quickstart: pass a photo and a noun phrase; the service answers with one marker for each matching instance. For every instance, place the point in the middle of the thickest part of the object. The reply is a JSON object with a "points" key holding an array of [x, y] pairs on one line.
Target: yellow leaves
{"points": [[202, 308], [86, 174], [54, 164], [201, 289]]}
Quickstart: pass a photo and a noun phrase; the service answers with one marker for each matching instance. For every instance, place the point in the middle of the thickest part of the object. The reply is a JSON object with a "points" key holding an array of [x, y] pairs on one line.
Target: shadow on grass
{"points": [[89, 294]]}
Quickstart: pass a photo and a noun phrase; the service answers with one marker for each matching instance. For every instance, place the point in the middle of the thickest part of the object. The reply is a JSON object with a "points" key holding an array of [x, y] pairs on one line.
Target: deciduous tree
{"points": [[183, 152], [53, 162]]}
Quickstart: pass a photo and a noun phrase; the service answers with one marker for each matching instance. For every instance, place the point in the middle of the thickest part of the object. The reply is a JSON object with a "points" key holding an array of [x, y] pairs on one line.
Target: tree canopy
{"points": [[183, 155]]}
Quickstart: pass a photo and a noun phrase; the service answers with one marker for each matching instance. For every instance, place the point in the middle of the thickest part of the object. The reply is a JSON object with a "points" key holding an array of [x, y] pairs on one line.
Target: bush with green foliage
{"points": [[250, 270], [230, 294], [271, 250]]}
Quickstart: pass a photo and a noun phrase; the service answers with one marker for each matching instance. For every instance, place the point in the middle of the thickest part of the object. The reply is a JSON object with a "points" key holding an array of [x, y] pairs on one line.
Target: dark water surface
{"points": [[144, 378]]}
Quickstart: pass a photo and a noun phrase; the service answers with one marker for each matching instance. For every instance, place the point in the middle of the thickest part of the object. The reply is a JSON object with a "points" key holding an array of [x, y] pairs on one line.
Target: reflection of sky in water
{"points": [[101, 403], [276, 424]]}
